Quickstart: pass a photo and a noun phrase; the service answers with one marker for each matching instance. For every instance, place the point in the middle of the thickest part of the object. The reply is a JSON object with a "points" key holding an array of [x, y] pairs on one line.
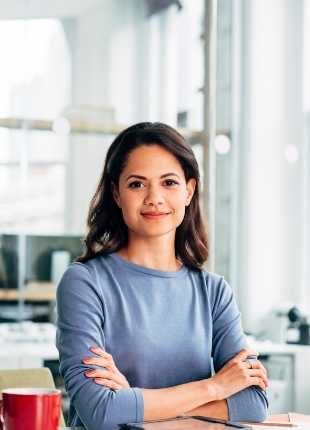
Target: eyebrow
{"points": [[144, 178]]}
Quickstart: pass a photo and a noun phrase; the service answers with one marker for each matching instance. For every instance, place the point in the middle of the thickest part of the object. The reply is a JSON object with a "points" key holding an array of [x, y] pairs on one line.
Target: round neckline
{"points": [[155, 272]]}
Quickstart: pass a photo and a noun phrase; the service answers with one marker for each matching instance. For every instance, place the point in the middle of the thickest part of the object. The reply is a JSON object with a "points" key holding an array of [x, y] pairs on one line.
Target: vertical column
{"points": [[209, 158], [168, 66]]}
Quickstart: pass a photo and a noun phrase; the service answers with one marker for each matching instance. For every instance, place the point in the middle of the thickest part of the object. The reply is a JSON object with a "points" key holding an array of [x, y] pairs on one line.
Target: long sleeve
{"points": [[228, 339], [80, 325]]}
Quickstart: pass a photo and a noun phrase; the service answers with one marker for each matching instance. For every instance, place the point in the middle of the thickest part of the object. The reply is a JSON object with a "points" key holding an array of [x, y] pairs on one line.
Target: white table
{"points": [[26, 345], [301, 370]]}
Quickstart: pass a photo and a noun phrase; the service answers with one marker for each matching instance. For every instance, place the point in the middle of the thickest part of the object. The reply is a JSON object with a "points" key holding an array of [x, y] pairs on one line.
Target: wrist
{"points": [[214, 389]]}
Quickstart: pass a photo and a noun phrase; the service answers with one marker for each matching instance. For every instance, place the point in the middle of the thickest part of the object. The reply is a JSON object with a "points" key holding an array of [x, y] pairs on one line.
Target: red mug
{"points": [[30, 409]]}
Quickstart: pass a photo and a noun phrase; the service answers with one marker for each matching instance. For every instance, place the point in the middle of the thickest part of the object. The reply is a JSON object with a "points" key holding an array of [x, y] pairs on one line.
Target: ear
{"points": [[116, 196], [190, 188]]}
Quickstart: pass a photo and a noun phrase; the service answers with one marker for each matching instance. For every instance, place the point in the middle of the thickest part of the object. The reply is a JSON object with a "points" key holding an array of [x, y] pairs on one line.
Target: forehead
{"points": [[152, 159]]}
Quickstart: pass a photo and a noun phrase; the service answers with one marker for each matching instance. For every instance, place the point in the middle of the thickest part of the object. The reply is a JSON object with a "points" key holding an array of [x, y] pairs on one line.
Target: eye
{"points": [[170, 182], [136, 184]]}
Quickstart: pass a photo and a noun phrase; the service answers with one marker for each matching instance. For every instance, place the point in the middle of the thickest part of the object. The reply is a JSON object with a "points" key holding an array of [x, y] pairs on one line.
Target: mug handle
{"points": [[1, 415]]}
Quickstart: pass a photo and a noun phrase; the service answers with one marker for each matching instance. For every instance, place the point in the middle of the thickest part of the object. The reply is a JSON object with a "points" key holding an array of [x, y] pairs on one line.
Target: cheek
{"points": [[179, 205], [179, 215], [129, 208], [179, 201]]}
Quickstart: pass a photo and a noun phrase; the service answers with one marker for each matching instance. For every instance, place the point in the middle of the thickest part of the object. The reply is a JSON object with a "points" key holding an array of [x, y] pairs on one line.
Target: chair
{"points": [[27, 378]]}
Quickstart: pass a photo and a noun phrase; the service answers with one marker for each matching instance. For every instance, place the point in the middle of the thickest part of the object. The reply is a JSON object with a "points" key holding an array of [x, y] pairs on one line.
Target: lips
{"points": [[154, 215]]}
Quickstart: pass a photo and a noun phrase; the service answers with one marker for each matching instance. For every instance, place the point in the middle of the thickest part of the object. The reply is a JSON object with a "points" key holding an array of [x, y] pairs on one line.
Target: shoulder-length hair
{"points": [[107, 231]]}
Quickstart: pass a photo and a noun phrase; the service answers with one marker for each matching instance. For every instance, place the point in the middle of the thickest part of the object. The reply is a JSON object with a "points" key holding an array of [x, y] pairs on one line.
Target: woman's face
{"points": [[152, 192]]}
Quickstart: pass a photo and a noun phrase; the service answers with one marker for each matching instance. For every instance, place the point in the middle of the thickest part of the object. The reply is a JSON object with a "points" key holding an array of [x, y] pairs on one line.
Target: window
{"points": [[35, 84]]}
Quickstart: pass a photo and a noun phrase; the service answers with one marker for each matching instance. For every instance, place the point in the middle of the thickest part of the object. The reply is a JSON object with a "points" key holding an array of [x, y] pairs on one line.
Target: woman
{"points": [[140, 322]]}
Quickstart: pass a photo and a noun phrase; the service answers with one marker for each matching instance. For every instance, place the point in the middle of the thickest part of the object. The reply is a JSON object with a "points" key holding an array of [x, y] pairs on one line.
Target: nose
{"points": [[153, 196]]}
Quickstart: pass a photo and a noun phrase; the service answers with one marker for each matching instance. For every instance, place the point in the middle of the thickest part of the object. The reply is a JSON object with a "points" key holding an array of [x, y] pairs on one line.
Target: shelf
{"points": [[47, 125], [34, 292], [193, 136]]}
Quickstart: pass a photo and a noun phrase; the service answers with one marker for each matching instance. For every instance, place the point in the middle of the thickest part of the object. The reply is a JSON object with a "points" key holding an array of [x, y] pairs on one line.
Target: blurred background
{"points": [[234, 77]]}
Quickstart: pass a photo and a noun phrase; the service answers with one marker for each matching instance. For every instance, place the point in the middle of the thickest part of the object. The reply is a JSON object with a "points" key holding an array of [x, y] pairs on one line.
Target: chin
{"points": [[154, 231], [159, 233]]}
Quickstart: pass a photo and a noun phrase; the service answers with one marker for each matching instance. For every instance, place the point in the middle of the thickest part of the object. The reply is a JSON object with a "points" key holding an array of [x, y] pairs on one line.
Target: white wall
{"points": [[269, 243], [109, 44], [110, 57], [139, 66], [305, 154]]}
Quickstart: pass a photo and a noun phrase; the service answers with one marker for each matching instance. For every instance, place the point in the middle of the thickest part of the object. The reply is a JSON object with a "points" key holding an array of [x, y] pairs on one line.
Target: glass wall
{"points": [[75, 74], [35, 85], [72, 80]]}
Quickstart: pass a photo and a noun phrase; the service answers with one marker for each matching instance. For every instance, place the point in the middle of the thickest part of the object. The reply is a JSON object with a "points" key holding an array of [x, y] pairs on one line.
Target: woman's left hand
{"points": [[108, 374]]}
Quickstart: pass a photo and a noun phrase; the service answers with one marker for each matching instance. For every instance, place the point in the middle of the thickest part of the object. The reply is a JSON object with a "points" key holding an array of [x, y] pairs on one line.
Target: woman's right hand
{"points": [[107, 374], [236, 375]]}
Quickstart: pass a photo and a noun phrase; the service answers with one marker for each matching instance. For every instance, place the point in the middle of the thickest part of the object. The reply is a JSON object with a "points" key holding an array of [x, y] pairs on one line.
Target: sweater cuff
{"points": [[139, 404], [248, 405], [232, 403]]}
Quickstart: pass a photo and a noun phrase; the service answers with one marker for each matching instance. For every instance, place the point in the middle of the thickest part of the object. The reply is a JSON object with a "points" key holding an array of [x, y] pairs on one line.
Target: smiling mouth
{"points": [[151, 215]]}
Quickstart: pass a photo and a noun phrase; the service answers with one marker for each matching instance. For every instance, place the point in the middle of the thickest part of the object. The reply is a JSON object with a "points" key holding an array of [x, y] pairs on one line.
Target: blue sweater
{"points": [[162, 329]]}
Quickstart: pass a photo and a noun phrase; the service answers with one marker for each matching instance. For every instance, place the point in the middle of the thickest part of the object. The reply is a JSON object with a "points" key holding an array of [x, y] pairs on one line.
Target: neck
{"points": [[155, 253]]}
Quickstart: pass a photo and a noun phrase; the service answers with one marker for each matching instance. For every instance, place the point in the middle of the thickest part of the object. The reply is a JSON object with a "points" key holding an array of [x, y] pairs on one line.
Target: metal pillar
{"points": [[209, 156]]}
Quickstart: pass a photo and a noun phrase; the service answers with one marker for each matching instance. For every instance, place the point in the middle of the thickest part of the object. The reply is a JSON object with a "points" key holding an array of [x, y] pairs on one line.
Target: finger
{"points": [[99, 361], [251, 364], [246, 353], [107, 383], [101, 373], [260, 374], [257, 369], [101, 352], [243, 354], [259, 382], [256, 364], [246, 363]]}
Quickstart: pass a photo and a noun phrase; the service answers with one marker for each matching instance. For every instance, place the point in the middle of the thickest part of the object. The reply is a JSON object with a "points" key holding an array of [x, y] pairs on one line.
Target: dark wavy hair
{"points": [[107, 231]]}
